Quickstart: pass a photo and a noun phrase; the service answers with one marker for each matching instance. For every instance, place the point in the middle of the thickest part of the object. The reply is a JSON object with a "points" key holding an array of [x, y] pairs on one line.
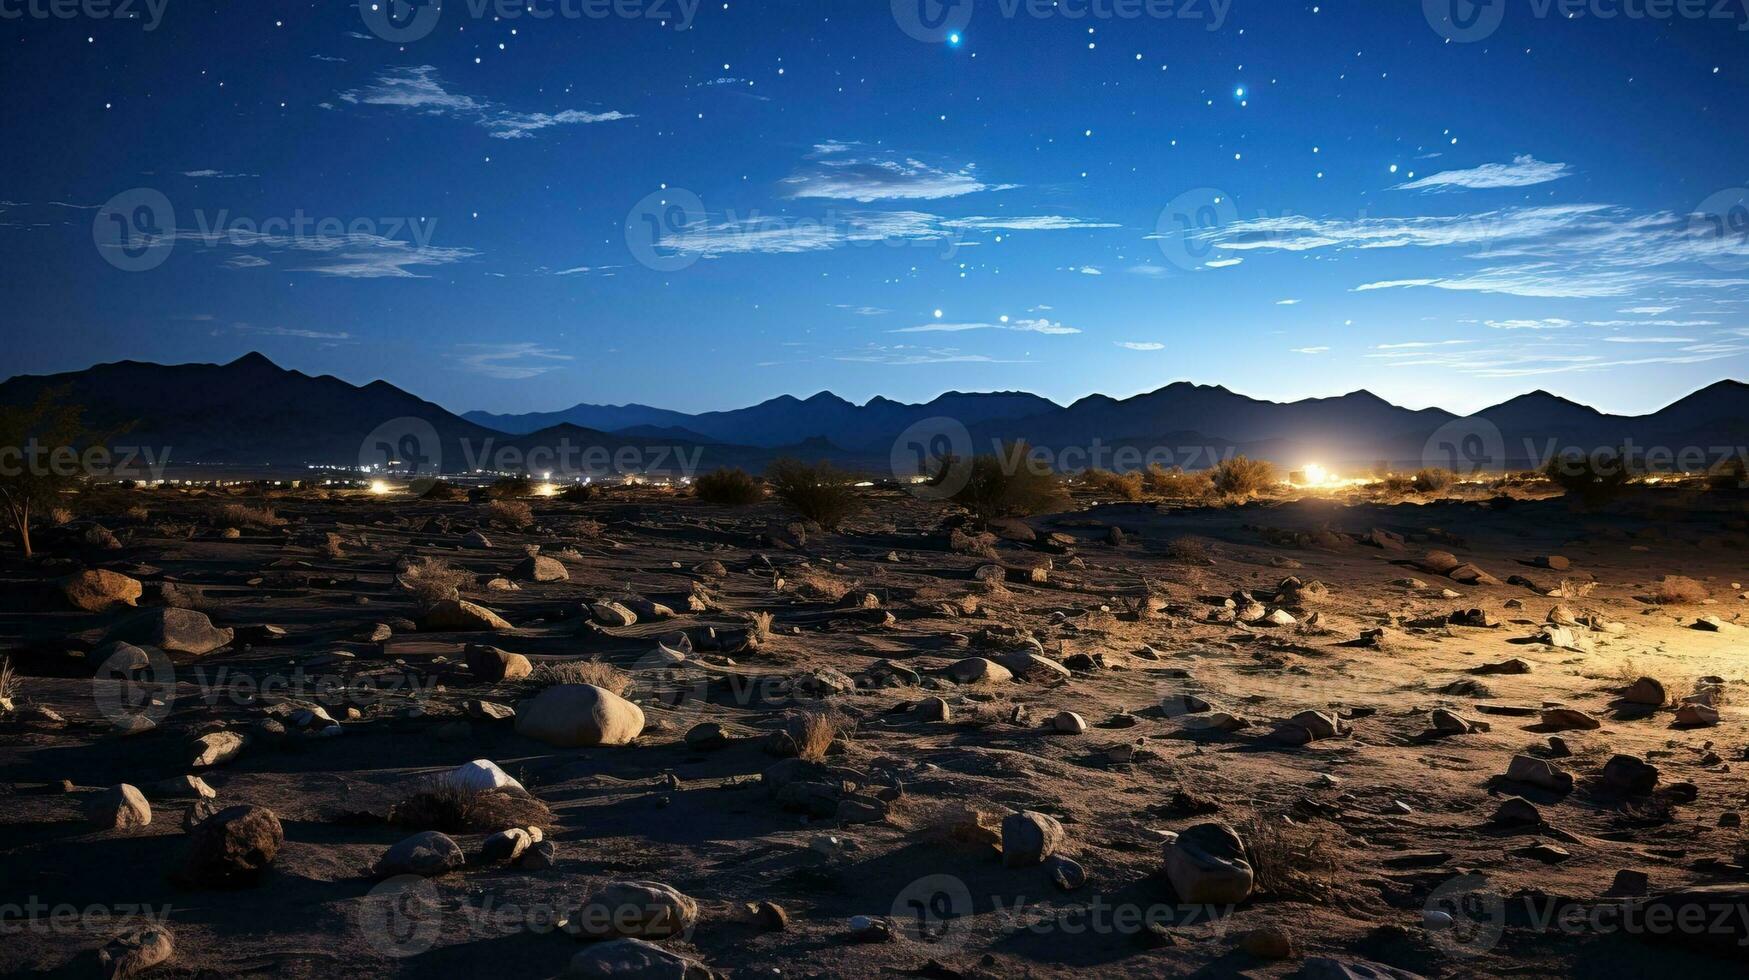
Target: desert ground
{"points": [[854, 758]]}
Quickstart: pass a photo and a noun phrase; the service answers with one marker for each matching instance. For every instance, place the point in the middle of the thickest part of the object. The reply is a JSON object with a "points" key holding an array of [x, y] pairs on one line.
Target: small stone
{"points": [[1029, 837], [120, 807], [1069, 723], [1268, 943]]}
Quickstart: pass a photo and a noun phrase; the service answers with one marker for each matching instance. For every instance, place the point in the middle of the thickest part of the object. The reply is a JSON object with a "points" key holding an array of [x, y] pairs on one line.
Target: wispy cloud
{"points": [[851, 171], [777, 234], [1287, 302], [906, 355], [1523, 171], [1310, 350], [301, 334], [1222, 263], [1019, 326], [419, 89], [1140, 345], [214, 174], [1548, 323], [509, 362]]}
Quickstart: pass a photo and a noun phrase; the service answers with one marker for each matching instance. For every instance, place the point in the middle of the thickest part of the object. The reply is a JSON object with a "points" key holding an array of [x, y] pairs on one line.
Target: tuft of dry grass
{"points": [[1189, 548], [432, 580], [1679, 590], [1297, 862], [603, 675], [1242, 477], [1175, 483], [458, 811], [10, 685], [242, 516], [507, 513], [813, 733], [818, 586], [759, 625]]}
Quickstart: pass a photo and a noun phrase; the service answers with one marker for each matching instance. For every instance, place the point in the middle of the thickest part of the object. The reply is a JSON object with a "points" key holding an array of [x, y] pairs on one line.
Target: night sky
{"points": [[706, 205]]}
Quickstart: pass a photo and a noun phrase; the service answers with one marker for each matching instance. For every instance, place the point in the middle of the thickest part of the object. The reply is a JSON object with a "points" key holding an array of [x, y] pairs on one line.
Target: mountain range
{"points": [[253, 412]]}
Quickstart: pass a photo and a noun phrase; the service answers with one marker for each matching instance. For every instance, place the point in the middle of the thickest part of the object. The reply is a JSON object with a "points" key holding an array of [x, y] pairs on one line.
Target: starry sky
{"points": [[517, 206]]}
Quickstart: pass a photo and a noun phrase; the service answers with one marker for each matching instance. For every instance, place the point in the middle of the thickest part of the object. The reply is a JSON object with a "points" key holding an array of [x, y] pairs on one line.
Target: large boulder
{"points": [[1206, 865], [118, 808], [172, 630], [978, 670], [635, 909], [1028, 837], [492, 665], [215, 749], [540, 568], [462, 616], [427, 855], [98, 590], [579, 715], [480, 776], [635, 959], [233, 845]]}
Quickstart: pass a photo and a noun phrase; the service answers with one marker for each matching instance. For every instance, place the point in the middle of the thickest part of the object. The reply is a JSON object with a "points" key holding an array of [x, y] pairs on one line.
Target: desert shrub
{"points": [[1680, 590], [1595, 479], [1010, 484], [137, 513], [1397, 484], [727, 488], [811, 583], [1242, 477], [432, 580], [243, 516], [579, 493], [759, 625], [1433, 479], [458, 811], [333, 546], [507, 513], [1298, 862], [1174, 482], [822, 493], [443, 490], [10, 685], [813, 733], [602, 675], [1189, 548], [1124, 486], [510, 488]]}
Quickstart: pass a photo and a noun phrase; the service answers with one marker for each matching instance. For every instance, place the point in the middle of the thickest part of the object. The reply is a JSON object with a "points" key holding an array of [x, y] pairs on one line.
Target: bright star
{"points": [[954, 39]]}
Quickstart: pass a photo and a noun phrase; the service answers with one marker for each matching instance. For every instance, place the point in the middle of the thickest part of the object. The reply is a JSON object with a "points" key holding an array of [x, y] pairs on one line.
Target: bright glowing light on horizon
{"points": [[1316, 475], [379, 486]]}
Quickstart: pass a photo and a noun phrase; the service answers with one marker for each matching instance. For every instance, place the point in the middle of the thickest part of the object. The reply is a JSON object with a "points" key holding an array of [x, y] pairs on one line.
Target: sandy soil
{"points": [[1354, 837]]}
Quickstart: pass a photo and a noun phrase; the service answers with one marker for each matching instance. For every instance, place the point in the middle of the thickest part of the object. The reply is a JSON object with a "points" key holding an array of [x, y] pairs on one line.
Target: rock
{"points": [[977, 670], [1541, 773], [1452, 723], [1032, 664], [505, 845], [1174, 705], [120, 807], [1568, 719], [707, 737], [768, 916], [462, 616], [1028, 837], [1069, 723], [635, 909], [1695, 715], [232, 846], [476, 541], [1066, 873], [579, 715], [1516, 665], [98, 590], [426, 854], [493, 665], [134, 953], [172, 630], [1558, 636], [1307, 727], [540, 856], [1206, 865], [183, 787], [540, 568], [634, 959], [1720, 907], [1629, 776], [216, 749], [479, 776], [1516, 811], [1328, 968], [1439, 562], [1280, 617], [1268, 943], [1553, 562], [610, 613], [1629, 884], [1646, 691], [1213, 721], [932, 709]]}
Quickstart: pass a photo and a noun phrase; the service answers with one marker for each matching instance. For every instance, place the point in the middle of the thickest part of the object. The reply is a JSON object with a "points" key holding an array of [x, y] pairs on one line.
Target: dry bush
{"points": [[1595, 479], [458, 811], [60, 515], [241, 516], [822, 493], [1124, 486], [810, 583], [1189, 548], [1676, 686], [579, 493], [1679, 590], [1242, 477], [1177, 484], [510, 487], [727, 488], [603, 675], [10, 685], [1010, 484], [813, 733], [1433, 479], [443, 490], [507, 513], [333, 546], [432, 580], [759, 625], [1396, 484], [137, 512], [1297, 862]]}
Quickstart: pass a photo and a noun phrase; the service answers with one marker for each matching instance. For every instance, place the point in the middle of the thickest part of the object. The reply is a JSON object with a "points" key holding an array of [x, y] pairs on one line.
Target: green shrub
{"points": [[822, 493], [727, 488]]}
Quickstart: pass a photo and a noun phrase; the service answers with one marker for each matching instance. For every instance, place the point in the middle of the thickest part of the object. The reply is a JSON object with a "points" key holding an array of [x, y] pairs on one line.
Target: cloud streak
{"points": [[1523, 171], [419, 89]]}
